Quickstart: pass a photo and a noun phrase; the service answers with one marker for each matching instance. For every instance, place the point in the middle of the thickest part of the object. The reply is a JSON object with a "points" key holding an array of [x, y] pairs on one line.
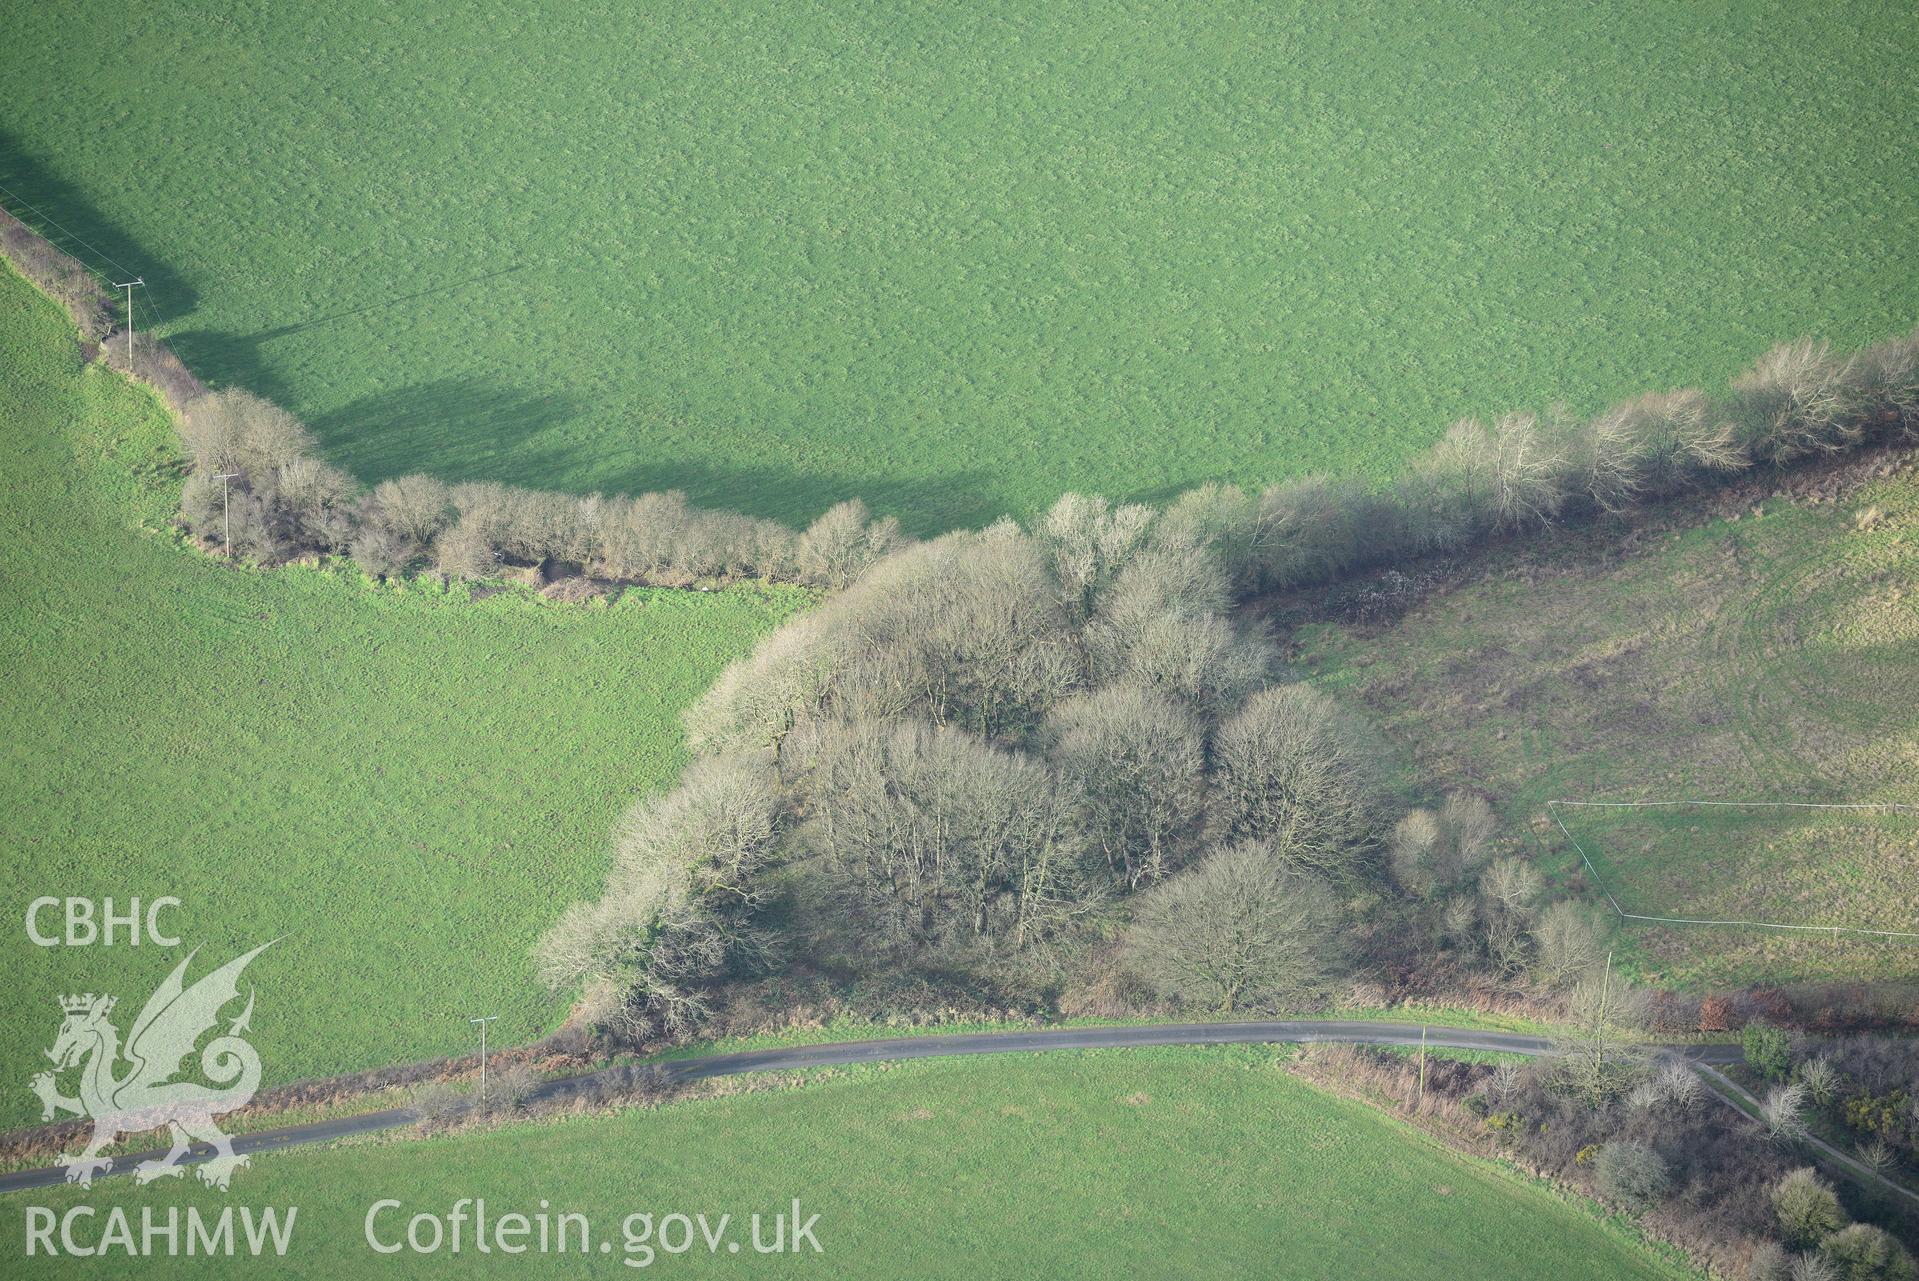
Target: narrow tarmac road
{"points": [[671, 1071]]}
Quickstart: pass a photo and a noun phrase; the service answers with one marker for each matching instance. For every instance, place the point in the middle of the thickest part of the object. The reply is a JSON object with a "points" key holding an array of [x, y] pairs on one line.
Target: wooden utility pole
{"points": [[128, 286], [226, 507], [483, 1022]]}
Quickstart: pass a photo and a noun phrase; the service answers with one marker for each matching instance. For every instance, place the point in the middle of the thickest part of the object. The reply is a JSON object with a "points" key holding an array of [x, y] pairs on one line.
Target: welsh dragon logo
{"points": [[142, 1094]]}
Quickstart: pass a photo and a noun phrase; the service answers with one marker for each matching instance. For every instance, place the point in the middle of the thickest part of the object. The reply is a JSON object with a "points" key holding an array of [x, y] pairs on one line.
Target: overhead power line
{"points": [[13, 198]]}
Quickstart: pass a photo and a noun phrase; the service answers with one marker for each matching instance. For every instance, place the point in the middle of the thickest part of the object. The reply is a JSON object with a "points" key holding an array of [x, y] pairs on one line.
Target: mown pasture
{"points": [[957, 261]]}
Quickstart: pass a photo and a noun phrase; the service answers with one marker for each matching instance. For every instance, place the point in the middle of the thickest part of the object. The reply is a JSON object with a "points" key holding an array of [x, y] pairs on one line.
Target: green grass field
{"points": [[404, 787], [1162, 1162], [958, 260], [1853, 868], [1770, 657]]}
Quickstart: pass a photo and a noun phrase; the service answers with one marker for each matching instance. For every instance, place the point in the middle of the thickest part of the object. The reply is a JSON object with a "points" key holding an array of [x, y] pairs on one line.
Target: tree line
{"points": [[282, 501], [1523, 472]]}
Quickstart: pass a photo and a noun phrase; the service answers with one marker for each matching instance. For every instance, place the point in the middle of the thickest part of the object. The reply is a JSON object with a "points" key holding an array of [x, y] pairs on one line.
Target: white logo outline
{"points": [[146, 1096]]}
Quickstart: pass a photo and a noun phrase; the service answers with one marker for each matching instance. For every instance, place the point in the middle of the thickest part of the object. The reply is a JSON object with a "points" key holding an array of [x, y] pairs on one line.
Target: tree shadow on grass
{"points": [[453, 428], [466, 429], [231, 360], [60, 212], [239, 360], [460, 428]]}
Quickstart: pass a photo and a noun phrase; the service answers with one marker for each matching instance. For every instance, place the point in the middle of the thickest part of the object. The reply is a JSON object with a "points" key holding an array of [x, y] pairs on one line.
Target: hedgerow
{"points": [[1522, 473]]}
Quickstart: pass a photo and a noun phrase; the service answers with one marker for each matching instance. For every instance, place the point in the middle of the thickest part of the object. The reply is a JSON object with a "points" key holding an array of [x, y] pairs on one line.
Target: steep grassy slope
{"points": [[1769, 656], [957, 260], [1174, 1162], [402, 787]]}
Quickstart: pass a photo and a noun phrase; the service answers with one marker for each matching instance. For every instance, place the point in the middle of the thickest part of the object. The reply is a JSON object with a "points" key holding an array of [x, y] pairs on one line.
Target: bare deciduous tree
{"points": [[1598, 1056], [1449, 493], [1568, 942], [839, 546], [1307, 530], [201, 501], [313, 498], [677, 902], [1527, 474], [1783, 1110], [1241, 530], [416, 508], [1238, 928], [1679, 1085], [1162, 624], [720, 821], [1631, 1174], [1820, 1078], [1799, 399], [1457, 918], [382, 552], [1612, 464], [1176, 582], [467, 550], [1410, 852], [1296, 770], [1888, 377], [759, 699], [643, 534], [940, 834], [1863, 1252], [1807, 1207], [1470, 825], [1509, 891], [1686, 437], [255, 533], [1202, 660], [235, 430], [965, 630], [1088, 540], [1136, 761]]}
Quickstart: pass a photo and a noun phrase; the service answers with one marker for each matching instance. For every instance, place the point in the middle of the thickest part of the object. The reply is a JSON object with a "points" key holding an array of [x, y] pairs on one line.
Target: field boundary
{"points": [[1553, 807], [1296, 533]]}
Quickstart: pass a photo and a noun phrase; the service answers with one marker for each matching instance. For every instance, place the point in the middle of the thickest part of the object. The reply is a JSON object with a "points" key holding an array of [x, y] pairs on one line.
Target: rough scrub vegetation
{"points": [[1648, 1137]]}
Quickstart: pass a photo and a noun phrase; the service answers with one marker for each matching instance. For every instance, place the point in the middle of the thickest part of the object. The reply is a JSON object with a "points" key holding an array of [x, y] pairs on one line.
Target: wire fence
{"points": [[1834, 931]]}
